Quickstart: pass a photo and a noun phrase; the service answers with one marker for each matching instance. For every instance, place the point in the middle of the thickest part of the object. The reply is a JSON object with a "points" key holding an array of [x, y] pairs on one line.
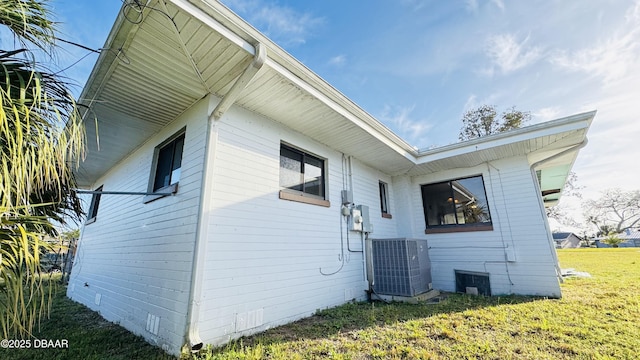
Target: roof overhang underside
{"points": [[184, 50], [155, 70]]}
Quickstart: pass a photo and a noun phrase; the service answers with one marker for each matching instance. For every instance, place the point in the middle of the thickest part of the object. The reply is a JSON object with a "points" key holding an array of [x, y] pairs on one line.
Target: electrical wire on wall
{"points": [[504, 244], [341, 257]]}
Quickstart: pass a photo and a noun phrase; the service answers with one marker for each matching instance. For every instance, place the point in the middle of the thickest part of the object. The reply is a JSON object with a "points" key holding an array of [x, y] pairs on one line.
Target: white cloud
{"points": [[474, 102], [633, 13], [613, 57], [498, 3], [282, 24], [471, 5], [338, 60], [546, 114], [399, 118], [509, 55], [609, 60]]}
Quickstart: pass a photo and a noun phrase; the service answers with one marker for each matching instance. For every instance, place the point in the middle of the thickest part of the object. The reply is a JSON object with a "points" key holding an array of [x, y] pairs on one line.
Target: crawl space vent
{"points": [[476, 283]]}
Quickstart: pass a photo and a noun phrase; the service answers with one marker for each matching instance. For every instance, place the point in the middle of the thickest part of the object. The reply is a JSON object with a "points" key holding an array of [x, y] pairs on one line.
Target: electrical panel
{"points": [[347, 197], [360, 220]]}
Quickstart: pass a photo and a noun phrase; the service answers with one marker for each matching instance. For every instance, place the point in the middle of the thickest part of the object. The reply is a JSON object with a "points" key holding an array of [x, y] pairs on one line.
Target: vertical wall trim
{"points": [[200, 248]]}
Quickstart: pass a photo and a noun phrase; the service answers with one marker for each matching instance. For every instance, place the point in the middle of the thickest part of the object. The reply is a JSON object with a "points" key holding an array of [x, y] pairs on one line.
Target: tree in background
{"points": [[485, 121], [616, 210], [41, 137], [559, 212]]}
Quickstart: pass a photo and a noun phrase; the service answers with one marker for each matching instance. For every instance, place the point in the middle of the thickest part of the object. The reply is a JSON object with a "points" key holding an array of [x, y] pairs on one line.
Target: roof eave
{"points": [[569, 123]]}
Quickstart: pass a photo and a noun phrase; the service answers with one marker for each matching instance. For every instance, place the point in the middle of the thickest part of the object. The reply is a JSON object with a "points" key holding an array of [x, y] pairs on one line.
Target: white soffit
{"points": [[538, 142]]}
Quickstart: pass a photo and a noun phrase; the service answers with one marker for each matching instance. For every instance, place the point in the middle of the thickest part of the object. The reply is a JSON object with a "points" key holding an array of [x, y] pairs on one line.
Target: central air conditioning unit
{"points": [[399, 267]]}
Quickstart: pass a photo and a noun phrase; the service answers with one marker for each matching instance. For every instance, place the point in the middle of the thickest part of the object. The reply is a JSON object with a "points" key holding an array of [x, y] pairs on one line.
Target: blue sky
{"points": [[417, 66]]}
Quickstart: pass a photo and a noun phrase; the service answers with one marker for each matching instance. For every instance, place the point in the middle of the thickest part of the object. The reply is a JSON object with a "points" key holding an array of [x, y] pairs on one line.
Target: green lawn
{"points": [[598, 318], [89, 337]]}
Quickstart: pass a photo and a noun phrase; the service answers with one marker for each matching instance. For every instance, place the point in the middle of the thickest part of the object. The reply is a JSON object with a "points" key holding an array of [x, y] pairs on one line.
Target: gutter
{"points": [[192, 330]]}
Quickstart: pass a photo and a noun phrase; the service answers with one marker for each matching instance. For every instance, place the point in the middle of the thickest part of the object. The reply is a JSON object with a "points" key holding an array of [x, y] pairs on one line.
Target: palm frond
{"points": [[29, 21], [40, 135], [25, 294]]}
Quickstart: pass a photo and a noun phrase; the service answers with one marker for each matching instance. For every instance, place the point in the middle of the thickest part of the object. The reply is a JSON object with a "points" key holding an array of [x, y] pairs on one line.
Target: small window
{"points": [[168, 163], [456, 205], [384, 199], [302, 175], [93, 208]]}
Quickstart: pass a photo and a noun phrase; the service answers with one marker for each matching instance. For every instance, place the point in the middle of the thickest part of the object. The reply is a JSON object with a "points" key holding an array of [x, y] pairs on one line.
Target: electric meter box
{"points": [[360, 220]]}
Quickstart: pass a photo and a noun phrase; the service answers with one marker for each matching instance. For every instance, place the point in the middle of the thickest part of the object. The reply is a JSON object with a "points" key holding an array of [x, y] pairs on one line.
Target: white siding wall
{"points": [[366, 191], [137, 258], [518, 224], [264, 255]]}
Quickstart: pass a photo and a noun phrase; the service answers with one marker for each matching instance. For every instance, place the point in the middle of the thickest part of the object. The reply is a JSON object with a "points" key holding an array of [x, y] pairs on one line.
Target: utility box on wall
{"points": [[360, 220]]}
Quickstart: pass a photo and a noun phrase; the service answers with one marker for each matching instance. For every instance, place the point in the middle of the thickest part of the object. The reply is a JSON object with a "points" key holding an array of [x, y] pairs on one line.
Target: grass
{"points": [[597, 318], [89, 337]]}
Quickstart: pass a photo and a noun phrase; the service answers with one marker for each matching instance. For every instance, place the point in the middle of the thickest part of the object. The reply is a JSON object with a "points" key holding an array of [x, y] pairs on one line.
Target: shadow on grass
{"points": [[363, 315]]}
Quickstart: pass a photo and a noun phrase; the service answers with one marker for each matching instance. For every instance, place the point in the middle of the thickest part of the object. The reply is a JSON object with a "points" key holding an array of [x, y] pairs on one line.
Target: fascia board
{"points": [[568, 124]]}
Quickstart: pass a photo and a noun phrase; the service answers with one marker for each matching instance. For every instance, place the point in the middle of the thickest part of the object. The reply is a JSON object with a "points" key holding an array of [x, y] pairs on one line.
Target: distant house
{"points": [[630, 237], [260, 187], [566, 240]]}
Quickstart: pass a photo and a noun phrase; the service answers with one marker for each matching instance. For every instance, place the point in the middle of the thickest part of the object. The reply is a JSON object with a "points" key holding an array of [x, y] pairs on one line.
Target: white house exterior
{"points": [[206, 108]]}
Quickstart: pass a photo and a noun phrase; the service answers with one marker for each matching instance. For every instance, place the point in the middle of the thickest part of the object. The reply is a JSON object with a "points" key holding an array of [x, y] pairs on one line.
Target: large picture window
{"points": [[301, 175], [456, 205]]}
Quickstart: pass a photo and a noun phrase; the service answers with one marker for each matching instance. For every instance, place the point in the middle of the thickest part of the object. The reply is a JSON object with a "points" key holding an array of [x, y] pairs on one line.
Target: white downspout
{"points": [[200, 248], [544, 214], [242, 82]]}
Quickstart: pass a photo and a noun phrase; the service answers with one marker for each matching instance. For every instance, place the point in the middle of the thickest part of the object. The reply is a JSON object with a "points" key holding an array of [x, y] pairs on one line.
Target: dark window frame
{"points": [[457, 227], [383, 187], [166, 151], [92, 214], [304, 157]]}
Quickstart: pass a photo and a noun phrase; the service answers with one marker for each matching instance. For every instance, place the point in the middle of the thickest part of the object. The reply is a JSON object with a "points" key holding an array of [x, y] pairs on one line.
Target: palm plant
{"points": [[612, 239], [41, 138]]}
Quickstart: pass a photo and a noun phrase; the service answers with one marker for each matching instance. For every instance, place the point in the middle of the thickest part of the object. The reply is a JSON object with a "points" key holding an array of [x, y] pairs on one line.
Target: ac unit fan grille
{"points": [[400, 267]]}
